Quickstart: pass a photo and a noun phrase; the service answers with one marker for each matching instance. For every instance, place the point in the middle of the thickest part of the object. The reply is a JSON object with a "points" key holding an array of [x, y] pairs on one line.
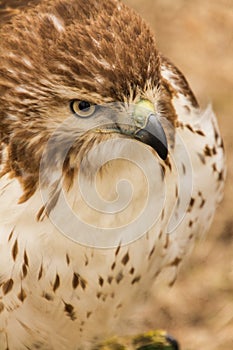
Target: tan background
{"points": [[198, 37]]}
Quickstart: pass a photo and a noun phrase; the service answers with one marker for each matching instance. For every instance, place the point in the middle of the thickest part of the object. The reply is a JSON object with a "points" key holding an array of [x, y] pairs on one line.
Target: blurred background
{"points": [[198, 37]]}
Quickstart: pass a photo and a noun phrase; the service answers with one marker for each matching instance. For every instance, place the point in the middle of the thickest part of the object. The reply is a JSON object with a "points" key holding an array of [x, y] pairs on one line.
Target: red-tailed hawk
{"points": [[109, 170]]}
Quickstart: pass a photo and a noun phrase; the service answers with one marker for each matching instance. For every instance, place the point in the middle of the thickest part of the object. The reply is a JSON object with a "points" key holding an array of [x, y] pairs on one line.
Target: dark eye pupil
{"points": [[84, 105]]}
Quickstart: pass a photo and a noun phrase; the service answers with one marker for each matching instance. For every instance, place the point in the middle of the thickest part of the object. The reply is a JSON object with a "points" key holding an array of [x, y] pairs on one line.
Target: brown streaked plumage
{"points": [[74, 266], [40, 39]]}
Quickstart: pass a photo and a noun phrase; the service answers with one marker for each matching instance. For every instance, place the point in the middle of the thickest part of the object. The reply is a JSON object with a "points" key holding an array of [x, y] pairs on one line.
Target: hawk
{"points": [[109, 171]]}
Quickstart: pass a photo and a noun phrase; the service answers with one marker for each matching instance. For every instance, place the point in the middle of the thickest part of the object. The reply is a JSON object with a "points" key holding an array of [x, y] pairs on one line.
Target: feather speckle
{"points": [[64, 174]]}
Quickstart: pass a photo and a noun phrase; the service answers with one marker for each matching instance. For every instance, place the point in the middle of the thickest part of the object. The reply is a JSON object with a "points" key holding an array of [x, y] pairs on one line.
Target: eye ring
{"points": [[82, 109]]}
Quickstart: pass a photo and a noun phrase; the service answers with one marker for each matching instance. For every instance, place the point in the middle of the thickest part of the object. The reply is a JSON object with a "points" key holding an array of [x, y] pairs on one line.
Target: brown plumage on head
{"points": [[54, 51]]}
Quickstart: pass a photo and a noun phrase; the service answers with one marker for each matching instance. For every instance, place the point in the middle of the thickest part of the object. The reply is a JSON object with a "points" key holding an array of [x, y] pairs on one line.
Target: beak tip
{"points": [[151, 140], [163, 153], [153, 134]]}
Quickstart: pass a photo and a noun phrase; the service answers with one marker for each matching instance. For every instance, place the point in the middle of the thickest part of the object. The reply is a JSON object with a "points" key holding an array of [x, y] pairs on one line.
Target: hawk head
{"points": [[79, 72]]}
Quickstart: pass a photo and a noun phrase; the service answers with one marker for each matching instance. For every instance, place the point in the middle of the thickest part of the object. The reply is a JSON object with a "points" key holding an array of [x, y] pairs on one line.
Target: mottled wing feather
{"points": [[181, 84]]}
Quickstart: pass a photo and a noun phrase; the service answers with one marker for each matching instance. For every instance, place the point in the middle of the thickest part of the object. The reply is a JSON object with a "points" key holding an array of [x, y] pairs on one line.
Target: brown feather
{"points": [[97, 51]]}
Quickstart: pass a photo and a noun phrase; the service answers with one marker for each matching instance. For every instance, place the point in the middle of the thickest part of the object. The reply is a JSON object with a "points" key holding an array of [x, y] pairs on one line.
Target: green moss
{"points": [[154, 340]]}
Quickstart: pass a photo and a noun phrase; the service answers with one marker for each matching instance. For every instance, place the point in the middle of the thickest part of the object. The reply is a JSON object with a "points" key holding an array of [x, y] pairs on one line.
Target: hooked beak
{"points": [[153, 134], [143, 125]]}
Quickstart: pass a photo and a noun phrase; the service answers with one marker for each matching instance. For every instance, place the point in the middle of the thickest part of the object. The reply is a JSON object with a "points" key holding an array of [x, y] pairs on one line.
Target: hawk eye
{"points": [[82, 109]]}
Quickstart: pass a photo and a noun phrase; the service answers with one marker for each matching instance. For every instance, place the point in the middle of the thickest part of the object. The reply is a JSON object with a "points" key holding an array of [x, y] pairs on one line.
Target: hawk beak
{"points": [[153, 134], [143, 125]]}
